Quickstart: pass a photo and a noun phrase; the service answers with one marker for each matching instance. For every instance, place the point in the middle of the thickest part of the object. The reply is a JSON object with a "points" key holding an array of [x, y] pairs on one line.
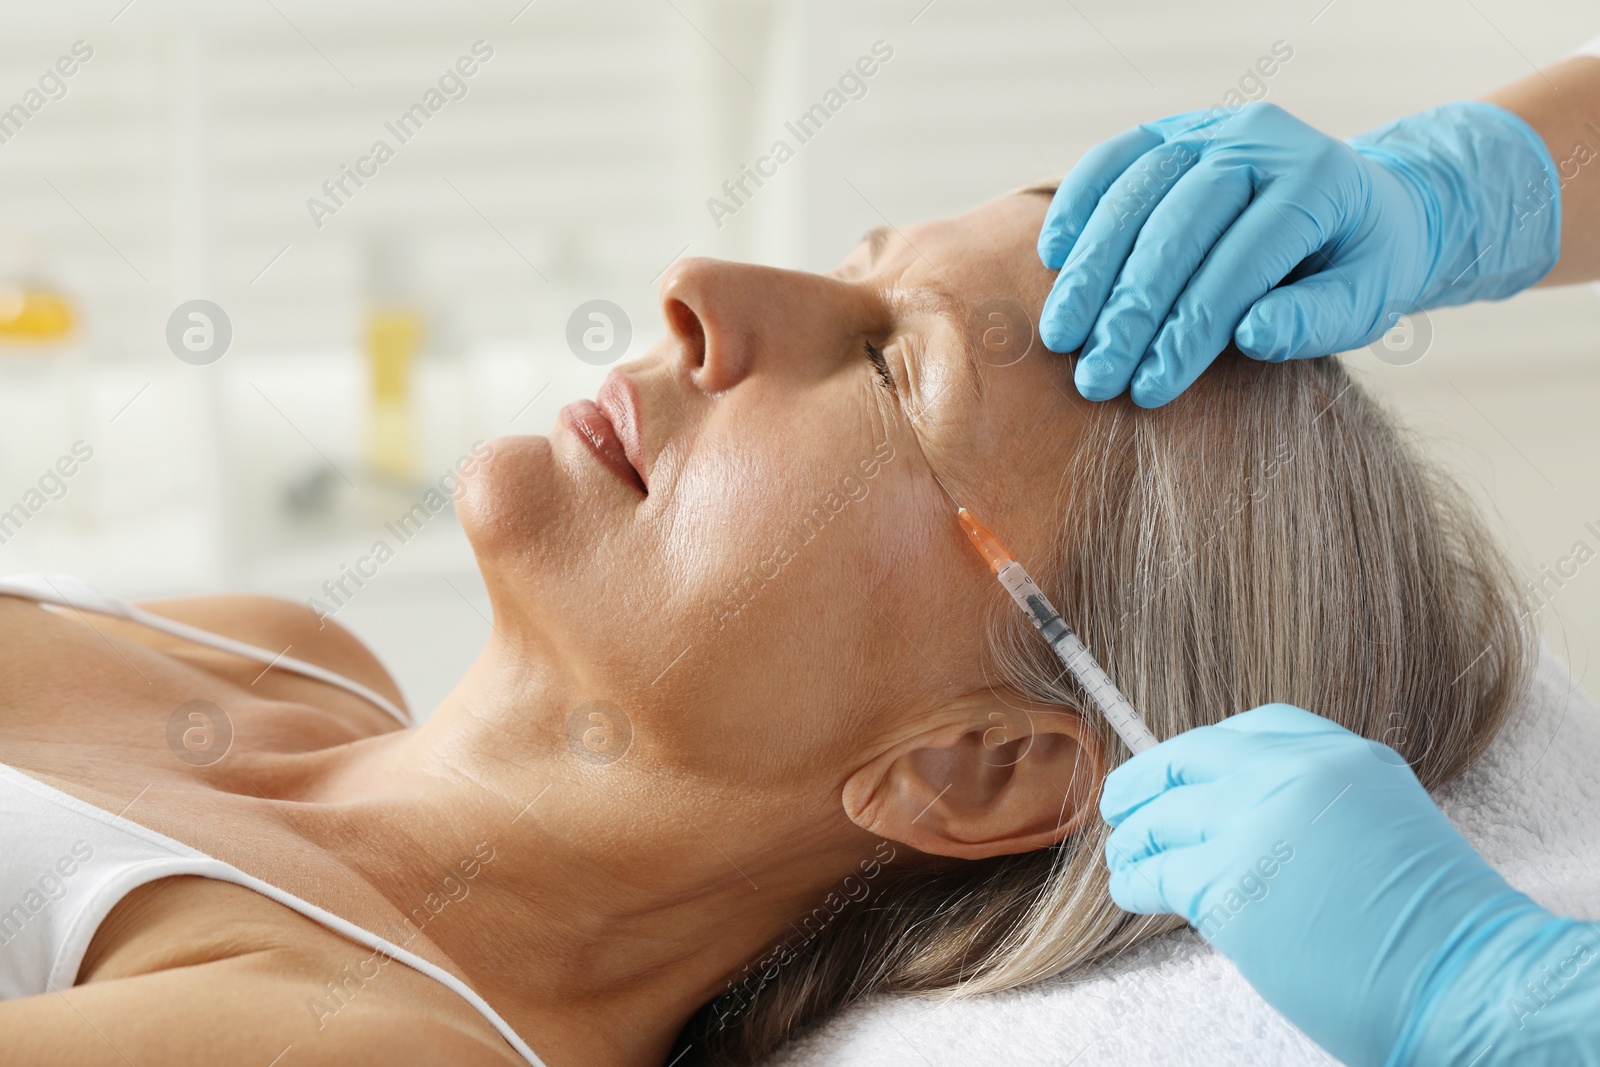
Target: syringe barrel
{"points": [[1075, 656], [1070, 650]]}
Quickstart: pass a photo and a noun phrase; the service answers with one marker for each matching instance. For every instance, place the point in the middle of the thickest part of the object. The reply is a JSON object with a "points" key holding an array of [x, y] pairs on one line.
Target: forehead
{"points": [[991, 250], [980, 255]]}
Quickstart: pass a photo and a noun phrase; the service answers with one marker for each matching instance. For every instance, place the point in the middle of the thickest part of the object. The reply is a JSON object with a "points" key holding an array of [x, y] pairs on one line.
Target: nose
{"points": [[732, 320], [703, 302]]}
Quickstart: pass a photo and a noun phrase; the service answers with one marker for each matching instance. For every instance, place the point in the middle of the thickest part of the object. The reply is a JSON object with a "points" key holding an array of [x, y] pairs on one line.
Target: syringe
{"points": [[1068, 647]]}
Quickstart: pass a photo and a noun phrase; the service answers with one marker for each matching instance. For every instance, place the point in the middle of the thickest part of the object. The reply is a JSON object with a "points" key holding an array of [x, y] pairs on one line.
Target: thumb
{"points": [[1316, 316]]}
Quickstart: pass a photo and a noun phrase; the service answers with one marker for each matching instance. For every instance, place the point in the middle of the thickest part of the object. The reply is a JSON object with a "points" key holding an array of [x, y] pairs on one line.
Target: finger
{"points": [[1183, 122], [1272, 235], [1170, 247], [1279, 719], [1168, 882], [1083, 187], [1203, 754], [1089, 272], [1179, 818], [1316, 316]]}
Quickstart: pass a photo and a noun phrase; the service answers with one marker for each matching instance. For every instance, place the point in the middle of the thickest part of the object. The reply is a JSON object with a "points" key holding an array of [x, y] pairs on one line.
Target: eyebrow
{"points": [[875, 239], [955, 312]]}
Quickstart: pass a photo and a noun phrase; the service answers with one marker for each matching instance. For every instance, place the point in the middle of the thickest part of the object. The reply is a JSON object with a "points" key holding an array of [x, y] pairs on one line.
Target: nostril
{"points": [[686, 324]]}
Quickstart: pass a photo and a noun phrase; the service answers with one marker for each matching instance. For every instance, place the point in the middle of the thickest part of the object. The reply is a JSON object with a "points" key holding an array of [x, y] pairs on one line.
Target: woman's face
{"points": [[791, 595]]}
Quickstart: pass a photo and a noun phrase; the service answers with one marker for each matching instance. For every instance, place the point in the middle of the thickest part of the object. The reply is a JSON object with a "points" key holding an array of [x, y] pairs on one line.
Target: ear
{"points": [[991, 774]]}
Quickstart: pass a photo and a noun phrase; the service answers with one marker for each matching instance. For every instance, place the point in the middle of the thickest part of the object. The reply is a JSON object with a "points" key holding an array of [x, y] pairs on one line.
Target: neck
{"points": [[596, 905]]}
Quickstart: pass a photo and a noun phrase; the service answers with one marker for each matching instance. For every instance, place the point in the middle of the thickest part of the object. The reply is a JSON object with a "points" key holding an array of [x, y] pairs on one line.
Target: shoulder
{"points": [[251, 1009], [188, 970], [274, 623]]}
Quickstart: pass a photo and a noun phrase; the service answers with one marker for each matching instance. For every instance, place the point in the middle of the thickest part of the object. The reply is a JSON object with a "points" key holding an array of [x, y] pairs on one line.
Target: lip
{"points": [[619, 400], [591, 425]]}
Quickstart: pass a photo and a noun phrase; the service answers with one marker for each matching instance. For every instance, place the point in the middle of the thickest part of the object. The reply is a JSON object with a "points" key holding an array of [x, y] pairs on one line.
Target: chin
{"points": [[509, 499]]}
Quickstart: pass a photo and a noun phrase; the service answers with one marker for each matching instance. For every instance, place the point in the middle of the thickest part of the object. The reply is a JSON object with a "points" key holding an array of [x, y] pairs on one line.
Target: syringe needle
{"points": [[946, 491]]}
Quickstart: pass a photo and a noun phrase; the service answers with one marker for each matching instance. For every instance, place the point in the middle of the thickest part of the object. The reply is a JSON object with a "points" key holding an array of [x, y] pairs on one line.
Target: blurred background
{"points": [[371, 312]]}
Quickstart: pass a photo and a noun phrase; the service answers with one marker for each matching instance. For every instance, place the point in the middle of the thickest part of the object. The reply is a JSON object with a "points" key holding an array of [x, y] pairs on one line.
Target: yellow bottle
{"points": [[393, 335], [34, 316]]}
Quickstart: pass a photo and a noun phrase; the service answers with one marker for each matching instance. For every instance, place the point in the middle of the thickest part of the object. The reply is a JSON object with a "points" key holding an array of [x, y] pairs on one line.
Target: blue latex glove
{"points": [[1315, 860], [1170, 237]]}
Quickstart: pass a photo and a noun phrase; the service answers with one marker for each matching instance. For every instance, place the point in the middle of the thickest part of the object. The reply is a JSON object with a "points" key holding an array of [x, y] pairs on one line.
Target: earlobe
{"points": [[990, 774]]}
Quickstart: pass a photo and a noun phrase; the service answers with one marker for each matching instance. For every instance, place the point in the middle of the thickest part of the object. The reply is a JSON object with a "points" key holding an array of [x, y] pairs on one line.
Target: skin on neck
{"points": [[615, 904], [779, 727]]}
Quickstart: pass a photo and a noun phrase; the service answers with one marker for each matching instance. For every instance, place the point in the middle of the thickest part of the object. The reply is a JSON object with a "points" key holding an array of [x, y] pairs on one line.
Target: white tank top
{"points": [[64, 863]]}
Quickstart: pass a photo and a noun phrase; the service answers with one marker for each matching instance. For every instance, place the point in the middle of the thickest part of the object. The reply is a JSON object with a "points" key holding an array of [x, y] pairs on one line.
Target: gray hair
{"points": [[1269, 536]]}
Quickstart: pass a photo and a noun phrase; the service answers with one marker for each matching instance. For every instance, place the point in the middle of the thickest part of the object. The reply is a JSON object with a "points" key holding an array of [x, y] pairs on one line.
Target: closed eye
{"points": [[881, 365]]}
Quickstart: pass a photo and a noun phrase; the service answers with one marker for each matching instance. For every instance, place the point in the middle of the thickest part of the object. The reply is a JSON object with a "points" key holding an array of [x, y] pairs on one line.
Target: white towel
{"points": [[1531, 805]]}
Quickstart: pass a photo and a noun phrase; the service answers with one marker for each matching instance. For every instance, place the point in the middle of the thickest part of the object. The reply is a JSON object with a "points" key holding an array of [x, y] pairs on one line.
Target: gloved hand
{"points": [[1315, 860], [1170, 237]]}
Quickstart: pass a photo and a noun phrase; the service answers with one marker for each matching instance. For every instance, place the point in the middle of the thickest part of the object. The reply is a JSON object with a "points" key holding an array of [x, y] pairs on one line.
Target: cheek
{"points": [[767, 476], [781, 537], [795, 649], [757, 520]]}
